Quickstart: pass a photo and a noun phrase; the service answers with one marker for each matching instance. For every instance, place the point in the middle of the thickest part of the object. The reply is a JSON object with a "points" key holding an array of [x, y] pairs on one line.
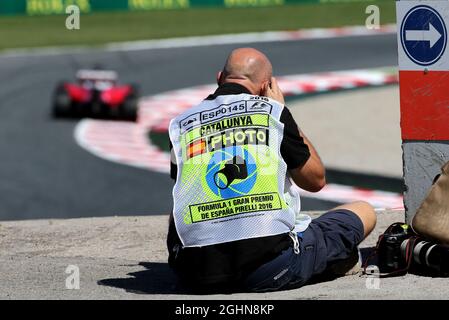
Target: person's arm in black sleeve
{"points": [[303, 163], [293, 149]]}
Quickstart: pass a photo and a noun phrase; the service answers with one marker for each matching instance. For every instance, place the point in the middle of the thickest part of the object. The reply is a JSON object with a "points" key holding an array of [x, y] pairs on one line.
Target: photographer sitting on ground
{"points": [[236, 222]]}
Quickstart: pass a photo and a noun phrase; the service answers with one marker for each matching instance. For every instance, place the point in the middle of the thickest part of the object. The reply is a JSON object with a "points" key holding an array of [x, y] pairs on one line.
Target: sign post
{"points": [[424, 95]]}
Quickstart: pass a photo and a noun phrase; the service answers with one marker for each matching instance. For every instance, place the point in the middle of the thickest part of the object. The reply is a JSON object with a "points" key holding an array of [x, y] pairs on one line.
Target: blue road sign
{"points": [[423, 35]]}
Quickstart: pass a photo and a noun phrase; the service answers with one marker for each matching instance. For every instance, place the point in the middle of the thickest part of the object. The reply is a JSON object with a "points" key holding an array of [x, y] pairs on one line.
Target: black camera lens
{"points": [[431, 255]]}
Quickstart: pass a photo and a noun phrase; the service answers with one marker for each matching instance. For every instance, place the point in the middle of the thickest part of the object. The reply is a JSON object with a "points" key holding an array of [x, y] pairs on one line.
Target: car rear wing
{"points": [[103, 75]]}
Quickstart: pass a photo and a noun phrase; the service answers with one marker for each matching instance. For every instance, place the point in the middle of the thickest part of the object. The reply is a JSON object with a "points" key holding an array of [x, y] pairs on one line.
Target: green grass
{"points": [[100, 28]]}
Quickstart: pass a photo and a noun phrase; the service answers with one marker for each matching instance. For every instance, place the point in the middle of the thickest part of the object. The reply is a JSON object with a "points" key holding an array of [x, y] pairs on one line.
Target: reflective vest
{"points": [[231, 180]]}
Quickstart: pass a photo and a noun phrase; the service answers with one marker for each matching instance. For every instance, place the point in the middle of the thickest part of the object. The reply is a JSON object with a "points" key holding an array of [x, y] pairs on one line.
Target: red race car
{"points": [[96, 93]]}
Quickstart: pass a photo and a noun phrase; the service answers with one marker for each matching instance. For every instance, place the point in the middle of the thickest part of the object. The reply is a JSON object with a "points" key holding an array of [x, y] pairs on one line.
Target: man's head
{"points": [[248, 67]]}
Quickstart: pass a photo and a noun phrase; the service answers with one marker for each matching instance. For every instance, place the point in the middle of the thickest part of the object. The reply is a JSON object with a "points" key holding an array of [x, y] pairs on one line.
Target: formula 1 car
{"points": [[96, 93]]}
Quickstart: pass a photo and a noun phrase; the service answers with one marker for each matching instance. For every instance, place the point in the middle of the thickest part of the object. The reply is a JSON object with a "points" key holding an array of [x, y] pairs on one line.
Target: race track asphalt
{"points": [[45, 174]]}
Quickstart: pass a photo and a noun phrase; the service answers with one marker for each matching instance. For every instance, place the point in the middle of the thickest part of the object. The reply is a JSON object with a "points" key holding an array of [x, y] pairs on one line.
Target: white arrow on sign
{"points": [[432, 35]]}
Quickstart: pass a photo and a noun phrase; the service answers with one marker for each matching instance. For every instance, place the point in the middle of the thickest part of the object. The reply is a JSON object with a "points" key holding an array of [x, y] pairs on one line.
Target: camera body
{"points": [[391, 256], [400, 249]]}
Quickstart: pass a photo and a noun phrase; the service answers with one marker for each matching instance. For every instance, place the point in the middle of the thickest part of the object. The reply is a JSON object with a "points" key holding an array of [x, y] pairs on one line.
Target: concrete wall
{"points": [[422, 162]]}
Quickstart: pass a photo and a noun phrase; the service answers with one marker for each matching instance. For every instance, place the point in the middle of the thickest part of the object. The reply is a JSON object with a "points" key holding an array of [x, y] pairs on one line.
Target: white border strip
{"points": [[183, 42]]}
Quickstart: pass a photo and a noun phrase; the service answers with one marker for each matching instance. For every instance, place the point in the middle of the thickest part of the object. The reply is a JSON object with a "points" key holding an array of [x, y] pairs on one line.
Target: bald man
{"points": [[236, 221]]}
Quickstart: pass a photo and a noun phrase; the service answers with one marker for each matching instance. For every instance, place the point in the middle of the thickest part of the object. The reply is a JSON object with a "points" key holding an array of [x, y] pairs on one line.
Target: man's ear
{"points": [[219, 77], [264, 88]]}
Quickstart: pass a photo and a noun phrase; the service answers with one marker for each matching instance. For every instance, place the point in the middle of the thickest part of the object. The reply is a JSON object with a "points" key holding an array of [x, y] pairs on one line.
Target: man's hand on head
{"points": [[274, 92]]}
